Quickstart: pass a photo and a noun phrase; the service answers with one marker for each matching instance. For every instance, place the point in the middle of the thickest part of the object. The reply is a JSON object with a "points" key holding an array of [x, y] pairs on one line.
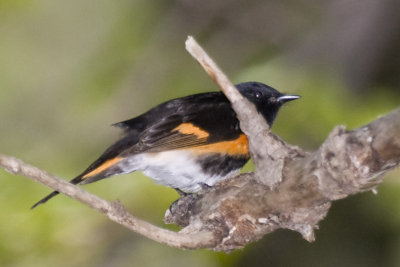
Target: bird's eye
{"points": [[258, 94]]}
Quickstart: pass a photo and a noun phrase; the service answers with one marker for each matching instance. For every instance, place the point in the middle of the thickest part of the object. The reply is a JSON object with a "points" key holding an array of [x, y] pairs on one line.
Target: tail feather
{"points": [[76, 180], [103, 167]]}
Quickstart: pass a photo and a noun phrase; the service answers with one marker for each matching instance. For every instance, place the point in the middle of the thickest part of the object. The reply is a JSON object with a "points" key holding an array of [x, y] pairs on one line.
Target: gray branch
{"points": [[266, 150], [242, 210], [291, 189], [113, 210]]}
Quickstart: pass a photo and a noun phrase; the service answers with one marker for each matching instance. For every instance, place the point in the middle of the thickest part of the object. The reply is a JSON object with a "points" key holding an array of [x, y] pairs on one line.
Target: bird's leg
{"points": [[204, 186], [180, 192]]}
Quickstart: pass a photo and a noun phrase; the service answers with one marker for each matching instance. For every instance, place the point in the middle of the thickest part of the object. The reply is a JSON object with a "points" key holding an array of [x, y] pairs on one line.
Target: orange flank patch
{"points": [[188, 128], [237, 147], [107, 164]]}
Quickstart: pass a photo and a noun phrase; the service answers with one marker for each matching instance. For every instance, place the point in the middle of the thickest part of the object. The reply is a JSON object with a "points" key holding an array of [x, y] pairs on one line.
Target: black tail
{"points": [[76, 180]]}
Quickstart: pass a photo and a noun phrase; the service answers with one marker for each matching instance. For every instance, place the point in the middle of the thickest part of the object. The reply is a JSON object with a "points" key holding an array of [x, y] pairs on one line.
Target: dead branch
{"points": [[241, 210], [291, 189], [266, 150], [113, 210]]}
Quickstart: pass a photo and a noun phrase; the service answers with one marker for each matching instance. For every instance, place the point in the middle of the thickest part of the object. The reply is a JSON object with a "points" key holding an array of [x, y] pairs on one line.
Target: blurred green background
{"points": [[69, 69]]}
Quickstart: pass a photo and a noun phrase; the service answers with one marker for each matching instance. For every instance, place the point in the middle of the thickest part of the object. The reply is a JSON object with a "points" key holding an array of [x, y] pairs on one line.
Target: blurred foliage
{"points": [[70, 69]]}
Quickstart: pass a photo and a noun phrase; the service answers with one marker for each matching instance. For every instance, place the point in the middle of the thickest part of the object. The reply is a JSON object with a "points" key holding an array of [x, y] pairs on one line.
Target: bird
{"points": [[186, 143]]}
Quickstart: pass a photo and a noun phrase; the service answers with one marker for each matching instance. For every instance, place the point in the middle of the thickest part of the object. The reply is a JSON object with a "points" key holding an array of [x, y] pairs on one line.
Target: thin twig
{"points": [[113, 210], [213, 70], [267, 150]]}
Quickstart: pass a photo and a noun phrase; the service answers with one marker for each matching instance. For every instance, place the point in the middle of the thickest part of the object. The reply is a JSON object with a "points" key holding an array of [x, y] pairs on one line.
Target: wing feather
{"points": [[190, 121]]}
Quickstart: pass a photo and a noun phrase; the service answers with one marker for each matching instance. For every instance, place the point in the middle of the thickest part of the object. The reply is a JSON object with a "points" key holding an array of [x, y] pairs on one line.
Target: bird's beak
{"points": [[286, 98]]}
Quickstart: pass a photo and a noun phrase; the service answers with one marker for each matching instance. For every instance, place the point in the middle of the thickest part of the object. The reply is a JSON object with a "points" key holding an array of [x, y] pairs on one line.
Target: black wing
{"points": [[190, 121]]}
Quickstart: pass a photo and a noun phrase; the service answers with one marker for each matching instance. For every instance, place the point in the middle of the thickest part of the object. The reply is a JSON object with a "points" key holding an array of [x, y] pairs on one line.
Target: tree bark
{"points": [[242, 210]]}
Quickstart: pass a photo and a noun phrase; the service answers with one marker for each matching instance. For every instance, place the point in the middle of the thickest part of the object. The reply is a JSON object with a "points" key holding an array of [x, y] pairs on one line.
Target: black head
{"points": [[266, 99]]}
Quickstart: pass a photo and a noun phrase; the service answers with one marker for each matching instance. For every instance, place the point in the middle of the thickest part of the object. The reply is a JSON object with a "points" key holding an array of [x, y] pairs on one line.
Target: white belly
{"points": [[176, 169]]}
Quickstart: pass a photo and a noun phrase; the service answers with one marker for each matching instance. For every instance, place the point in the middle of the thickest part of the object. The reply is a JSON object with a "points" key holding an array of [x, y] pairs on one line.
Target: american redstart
{"points": [[185, 143]]}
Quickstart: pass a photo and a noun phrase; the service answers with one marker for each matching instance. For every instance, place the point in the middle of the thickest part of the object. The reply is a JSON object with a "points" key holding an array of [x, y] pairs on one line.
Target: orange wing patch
{"points": [[188, 128], [237, 147], [104, 166]]}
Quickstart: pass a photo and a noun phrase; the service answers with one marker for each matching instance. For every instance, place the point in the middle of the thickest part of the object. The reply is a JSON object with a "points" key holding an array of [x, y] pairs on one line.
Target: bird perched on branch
{"points": [[185, 143]]}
